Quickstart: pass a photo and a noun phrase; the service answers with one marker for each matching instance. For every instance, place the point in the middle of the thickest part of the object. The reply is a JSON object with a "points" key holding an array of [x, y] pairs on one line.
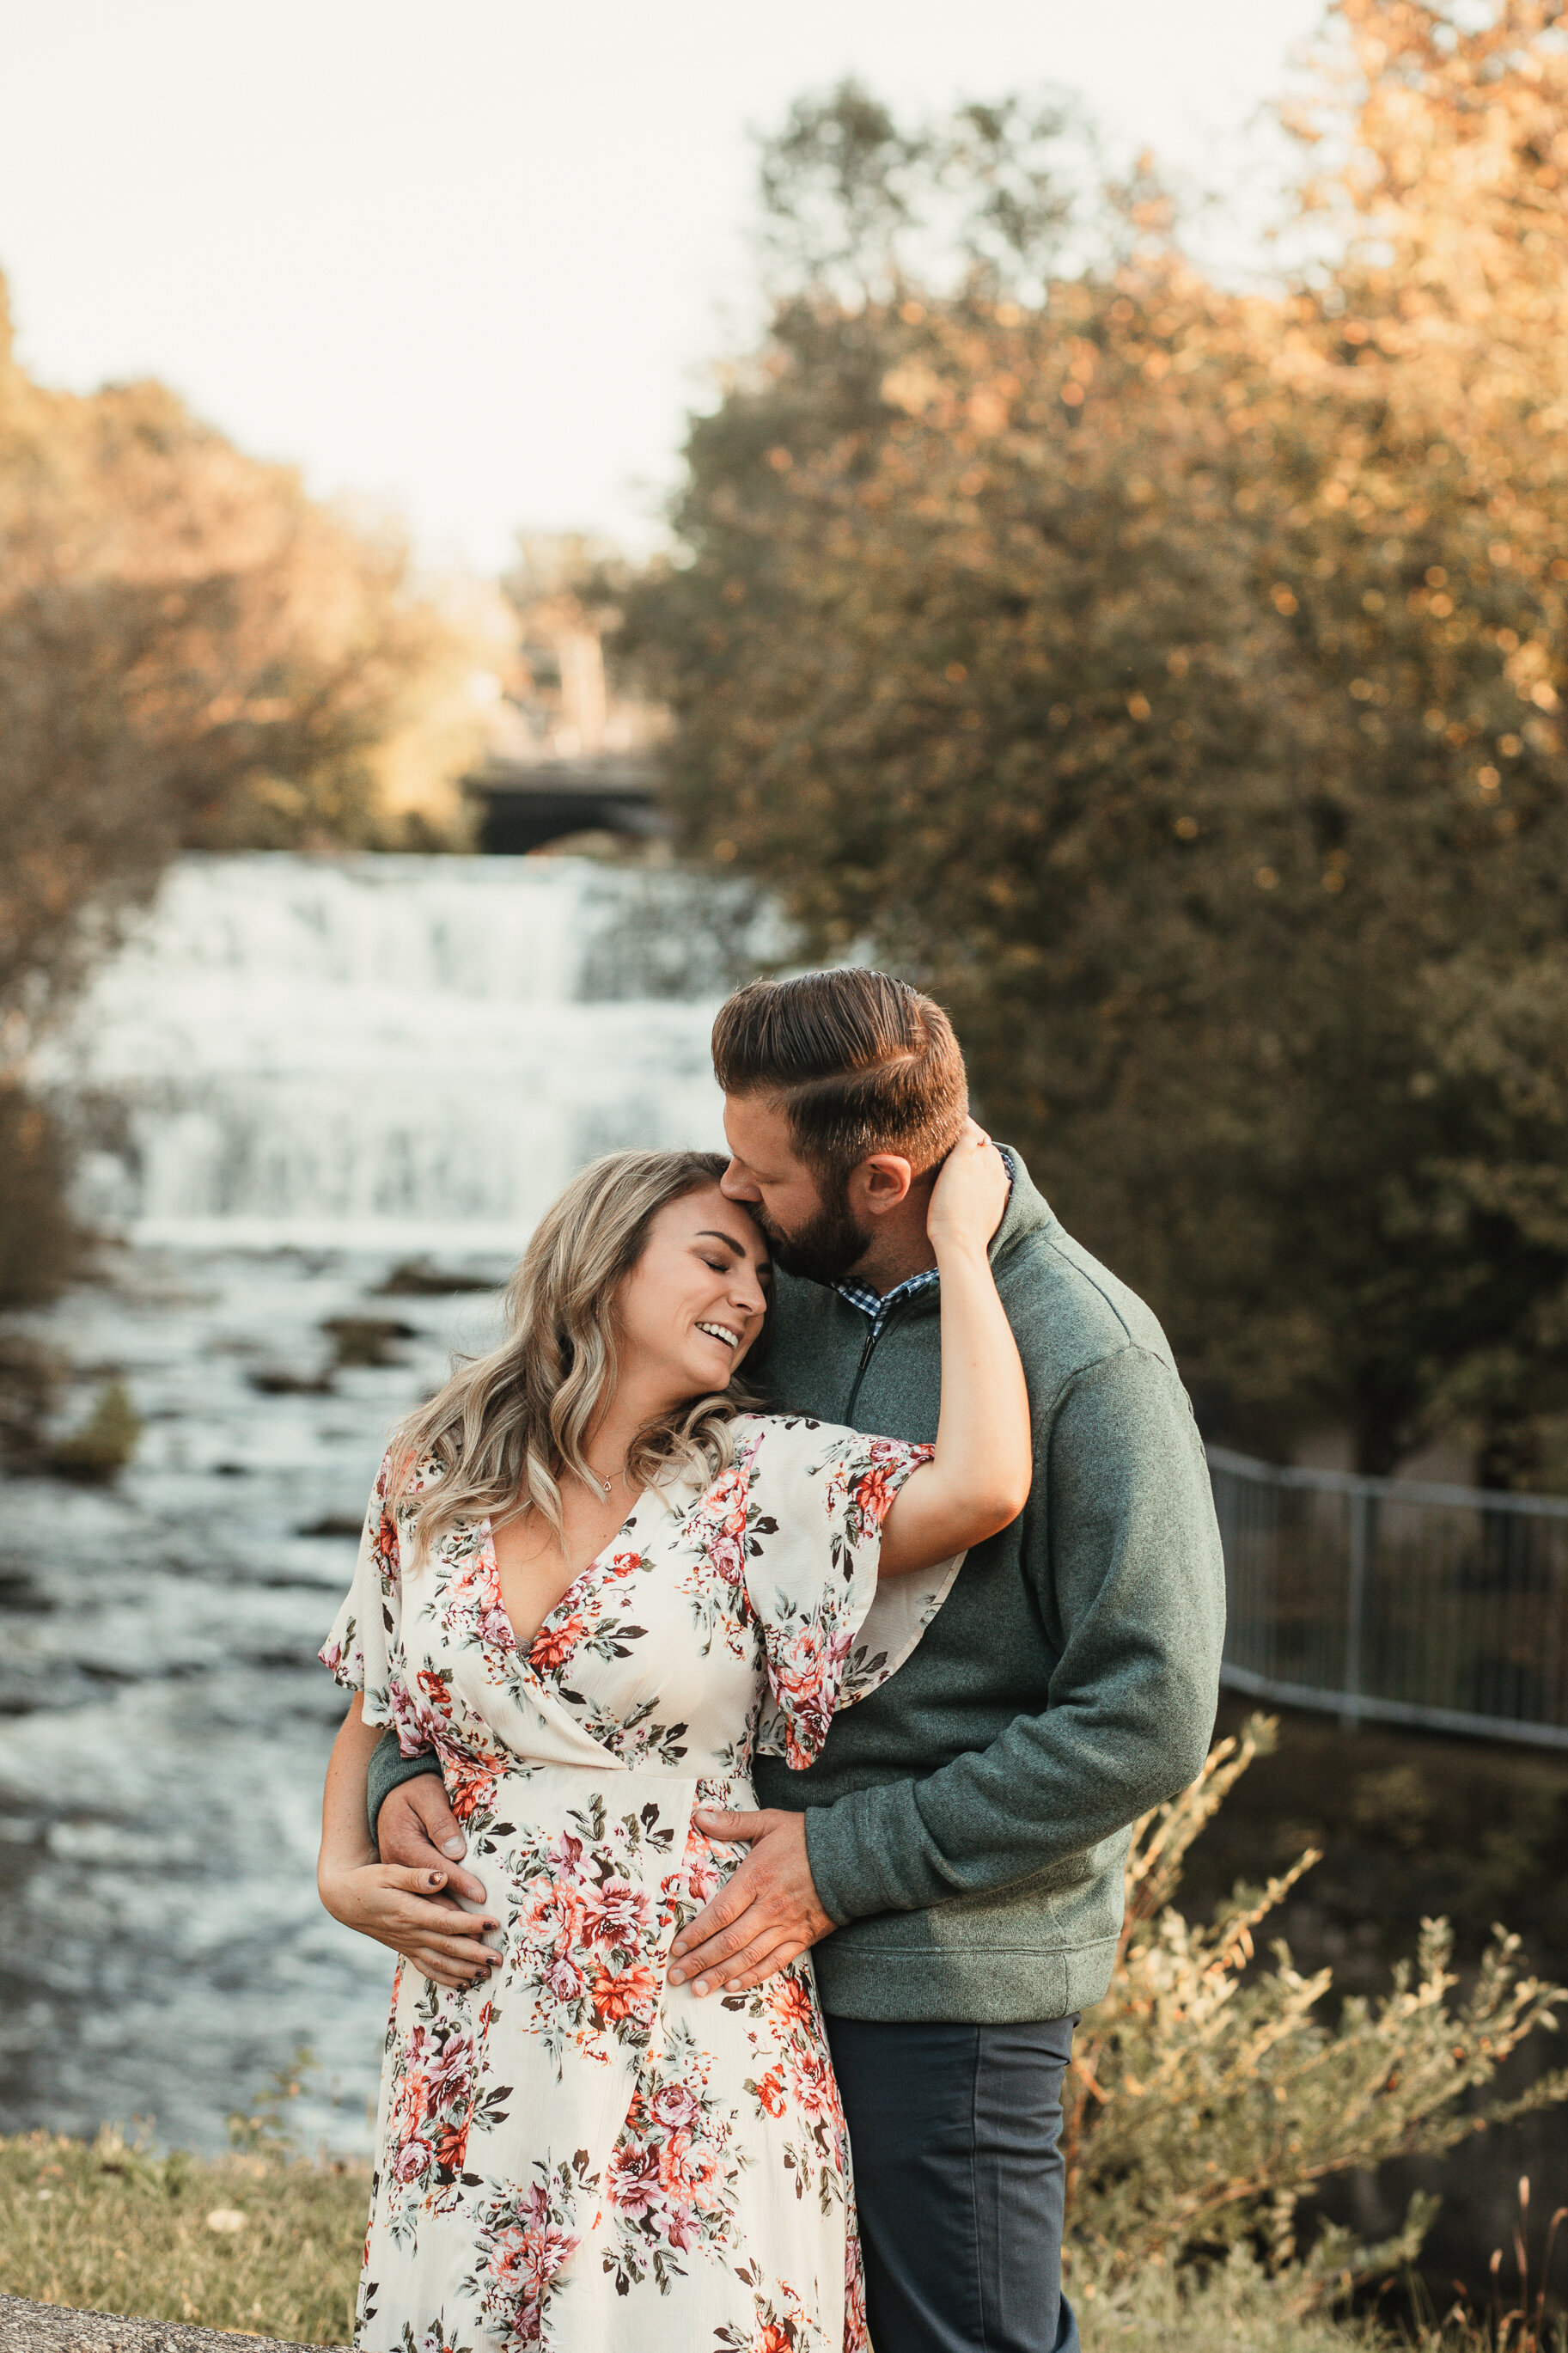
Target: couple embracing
{"points": [[759, 1660]]}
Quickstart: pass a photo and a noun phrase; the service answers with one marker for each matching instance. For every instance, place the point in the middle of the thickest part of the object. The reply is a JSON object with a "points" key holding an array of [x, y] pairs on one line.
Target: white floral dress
{"points": [[578, 2155]]}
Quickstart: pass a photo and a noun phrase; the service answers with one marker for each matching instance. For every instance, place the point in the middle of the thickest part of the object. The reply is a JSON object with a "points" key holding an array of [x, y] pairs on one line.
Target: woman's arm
{"points": [[978, 1478], [399, 1908]]}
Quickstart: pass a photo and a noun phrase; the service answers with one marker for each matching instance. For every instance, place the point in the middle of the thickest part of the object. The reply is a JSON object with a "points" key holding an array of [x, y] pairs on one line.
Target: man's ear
{"points": [[879, 1182]]}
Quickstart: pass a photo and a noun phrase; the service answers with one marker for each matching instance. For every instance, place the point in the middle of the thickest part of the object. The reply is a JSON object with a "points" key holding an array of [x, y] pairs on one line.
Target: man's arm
{"points": [[1127, 1566], [408, 1911], [389, 1768], [1131, 1578], [411, 1824]]}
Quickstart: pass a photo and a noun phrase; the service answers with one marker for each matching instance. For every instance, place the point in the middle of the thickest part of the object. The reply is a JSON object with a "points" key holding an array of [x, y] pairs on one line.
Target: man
{"points": [[955, 1854]]}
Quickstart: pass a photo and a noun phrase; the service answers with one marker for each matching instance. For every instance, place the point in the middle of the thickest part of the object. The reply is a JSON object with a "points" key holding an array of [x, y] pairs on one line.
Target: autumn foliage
{"points": [[194, 654], [1169, 676]]}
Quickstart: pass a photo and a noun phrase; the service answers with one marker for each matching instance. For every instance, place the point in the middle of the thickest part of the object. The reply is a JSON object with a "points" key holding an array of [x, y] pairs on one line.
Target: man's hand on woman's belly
{"points": [[765, 1916]]}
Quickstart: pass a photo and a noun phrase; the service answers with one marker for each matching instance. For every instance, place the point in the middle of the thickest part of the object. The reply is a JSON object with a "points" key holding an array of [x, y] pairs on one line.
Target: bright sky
{"points": [[479, 258]]}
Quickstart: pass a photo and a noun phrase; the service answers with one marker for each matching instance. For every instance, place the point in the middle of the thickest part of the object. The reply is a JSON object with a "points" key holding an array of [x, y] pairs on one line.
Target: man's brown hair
{"points": [[861, 1063]]}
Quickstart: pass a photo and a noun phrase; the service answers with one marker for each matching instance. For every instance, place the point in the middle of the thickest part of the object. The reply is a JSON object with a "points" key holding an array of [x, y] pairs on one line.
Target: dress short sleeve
{"points": [[364, 1649], [817, 1495]]}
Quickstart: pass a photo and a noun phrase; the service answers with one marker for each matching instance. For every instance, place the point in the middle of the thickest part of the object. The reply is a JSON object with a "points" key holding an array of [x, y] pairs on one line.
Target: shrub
{"points": [[1206, 2096], [1237, 2305]]}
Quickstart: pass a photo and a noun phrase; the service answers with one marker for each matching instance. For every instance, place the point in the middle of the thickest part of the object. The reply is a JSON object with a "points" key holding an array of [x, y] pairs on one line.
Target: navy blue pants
{"points": [[959, 2179]]}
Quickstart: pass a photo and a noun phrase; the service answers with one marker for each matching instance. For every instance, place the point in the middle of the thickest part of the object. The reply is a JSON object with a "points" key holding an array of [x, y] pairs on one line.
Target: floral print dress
{"points": [[578, 2155]]}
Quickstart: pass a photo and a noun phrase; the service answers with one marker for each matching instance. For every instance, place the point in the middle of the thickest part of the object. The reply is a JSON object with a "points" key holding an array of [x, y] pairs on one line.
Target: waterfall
{"points": [[372, 1052], [296, 1073]]}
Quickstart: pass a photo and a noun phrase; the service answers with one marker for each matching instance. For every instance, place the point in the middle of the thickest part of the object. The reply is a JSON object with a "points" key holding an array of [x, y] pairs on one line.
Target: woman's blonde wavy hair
{"points": [[498, 1440]]}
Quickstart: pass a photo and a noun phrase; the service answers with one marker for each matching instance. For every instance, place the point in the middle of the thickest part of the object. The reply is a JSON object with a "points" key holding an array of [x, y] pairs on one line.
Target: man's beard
{"points": [[825, 1250]]}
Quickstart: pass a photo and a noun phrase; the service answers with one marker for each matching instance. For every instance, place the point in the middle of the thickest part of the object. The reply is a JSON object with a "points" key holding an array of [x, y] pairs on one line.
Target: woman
{"points": [[594, 1582]]}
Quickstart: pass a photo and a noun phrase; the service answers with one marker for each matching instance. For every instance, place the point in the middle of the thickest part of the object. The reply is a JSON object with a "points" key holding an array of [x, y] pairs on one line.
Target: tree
{"points": [[193, 654], [1138, 663]]}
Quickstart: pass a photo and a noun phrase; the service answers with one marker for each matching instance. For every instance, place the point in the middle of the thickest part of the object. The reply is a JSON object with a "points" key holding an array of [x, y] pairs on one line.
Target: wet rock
{"points": [[367, 1339], [419, 1278], [104, 1444]]}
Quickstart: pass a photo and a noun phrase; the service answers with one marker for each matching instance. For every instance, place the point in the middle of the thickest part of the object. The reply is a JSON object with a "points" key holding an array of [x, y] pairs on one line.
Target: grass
{"points": [[266, 2243], [106, 2227]]}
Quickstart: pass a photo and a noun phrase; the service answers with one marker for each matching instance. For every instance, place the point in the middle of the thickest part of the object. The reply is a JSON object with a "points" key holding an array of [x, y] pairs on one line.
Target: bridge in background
{"points": [[526, 805]]}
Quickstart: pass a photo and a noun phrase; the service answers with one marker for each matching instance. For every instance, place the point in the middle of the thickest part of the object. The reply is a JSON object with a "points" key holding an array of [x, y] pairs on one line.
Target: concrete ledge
{"points": [[26, 2328]]}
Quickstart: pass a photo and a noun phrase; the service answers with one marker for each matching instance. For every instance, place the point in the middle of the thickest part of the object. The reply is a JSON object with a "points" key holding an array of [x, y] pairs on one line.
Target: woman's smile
{"points": [[704, 1273]]}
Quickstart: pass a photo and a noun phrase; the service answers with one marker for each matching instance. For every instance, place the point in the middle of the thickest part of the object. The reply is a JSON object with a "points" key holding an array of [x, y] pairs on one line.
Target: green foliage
{"points": [[859, 204], [1207, 2095], [105, 1442], [1167, 679]]}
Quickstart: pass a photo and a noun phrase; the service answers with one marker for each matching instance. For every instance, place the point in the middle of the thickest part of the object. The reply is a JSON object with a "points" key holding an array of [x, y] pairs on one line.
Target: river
{"points": [[299, 1077]]}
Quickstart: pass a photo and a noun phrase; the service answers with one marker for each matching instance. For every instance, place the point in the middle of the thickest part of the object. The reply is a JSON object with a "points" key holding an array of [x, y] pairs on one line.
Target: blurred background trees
{"points": [[559, 700], [1168, 676], [1165, 671], [193, 654]]}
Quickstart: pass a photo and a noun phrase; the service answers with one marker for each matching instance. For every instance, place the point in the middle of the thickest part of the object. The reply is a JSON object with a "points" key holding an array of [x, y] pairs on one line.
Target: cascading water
{"points": [[298, 1075], [377, 1050]]}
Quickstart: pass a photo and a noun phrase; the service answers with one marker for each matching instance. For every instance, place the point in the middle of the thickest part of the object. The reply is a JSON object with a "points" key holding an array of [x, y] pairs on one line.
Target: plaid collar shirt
{"points": [[877, 1305]]}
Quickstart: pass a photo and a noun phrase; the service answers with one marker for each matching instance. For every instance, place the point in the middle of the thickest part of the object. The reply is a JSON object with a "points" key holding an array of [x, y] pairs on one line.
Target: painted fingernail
{"points": [[435, 1878]]}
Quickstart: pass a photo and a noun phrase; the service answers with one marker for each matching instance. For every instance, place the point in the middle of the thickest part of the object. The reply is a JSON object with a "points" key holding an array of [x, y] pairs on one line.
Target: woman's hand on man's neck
{"points": [[899, 1244]]}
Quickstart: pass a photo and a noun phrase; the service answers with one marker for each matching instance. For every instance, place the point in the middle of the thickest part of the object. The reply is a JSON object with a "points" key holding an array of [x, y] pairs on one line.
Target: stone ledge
{"points": [[27, 2328]]}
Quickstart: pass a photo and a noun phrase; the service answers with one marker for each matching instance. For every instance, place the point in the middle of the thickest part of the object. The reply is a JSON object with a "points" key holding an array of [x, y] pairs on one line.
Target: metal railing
{"points": [[1386, 1600]]}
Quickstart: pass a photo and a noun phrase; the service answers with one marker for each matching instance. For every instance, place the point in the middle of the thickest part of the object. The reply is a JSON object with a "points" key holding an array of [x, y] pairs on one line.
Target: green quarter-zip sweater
{"points": [[967, 1824]]}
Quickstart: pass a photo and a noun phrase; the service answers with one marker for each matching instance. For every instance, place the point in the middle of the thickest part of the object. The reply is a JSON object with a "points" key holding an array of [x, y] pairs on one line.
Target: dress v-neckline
{"points": [[492, 1566]]}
